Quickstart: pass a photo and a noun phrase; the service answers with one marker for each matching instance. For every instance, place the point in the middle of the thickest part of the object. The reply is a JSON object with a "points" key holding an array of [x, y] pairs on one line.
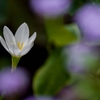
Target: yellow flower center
{"points": [[20, 45]]}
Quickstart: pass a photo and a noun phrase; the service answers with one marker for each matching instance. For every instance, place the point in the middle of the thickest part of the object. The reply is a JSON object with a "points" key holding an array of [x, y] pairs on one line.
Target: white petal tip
{"points": [[0, 38], [35, 34], [5, 27], [24, 24]]}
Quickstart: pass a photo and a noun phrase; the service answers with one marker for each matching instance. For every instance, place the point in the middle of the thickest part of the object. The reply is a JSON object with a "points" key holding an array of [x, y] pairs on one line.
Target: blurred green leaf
{"points": [[3, 10], [57, 33], [4, 62], [1, 98], [95, 1], [52, 76], [73, 28], [76, 4], [89, 87]]}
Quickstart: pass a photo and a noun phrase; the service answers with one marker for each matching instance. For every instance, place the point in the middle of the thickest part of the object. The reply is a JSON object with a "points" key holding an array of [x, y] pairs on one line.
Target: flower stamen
{"points": [[20, 45]]}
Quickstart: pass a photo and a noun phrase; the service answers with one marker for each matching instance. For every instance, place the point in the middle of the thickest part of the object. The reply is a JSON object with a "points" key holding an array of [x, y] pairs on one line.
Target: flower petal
{"points": [[3, 43], [32, 38], [26, 49], [22, 33], [14, 50], [9, 37]]}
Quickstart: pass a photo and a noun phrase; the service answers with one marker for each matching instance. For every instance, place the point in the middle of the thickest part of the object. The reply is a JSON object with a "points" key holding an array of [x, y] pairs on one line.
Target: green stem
{"points": [[15, 61]]}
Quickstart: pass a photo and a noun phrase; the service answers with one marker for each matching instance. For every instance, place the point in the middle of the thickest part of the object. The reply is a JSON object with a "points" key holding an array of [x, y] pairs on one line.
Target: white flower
{"points": [[20, 44]]}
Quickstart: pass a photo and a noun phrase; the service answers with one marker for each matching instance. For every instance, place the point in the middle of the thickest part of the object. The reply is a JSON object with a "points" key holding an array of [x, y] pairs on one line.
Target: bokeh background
{"points": [[64, 63]]}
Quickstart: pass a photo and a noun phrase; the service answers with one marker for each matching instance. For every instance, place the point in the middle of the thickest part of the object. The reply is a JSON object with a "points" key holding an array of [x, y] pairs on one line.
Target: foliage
{"points": [[53, 34]]}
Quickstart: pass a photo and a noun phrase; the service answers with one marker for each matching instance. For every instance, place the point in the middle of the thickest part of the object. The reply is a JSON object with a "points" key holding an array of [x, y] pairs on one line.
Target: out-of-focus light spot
{"points": [[50, 8], [39, 98], [12, 83], [88, 20], [68, 93], [81, 57]]}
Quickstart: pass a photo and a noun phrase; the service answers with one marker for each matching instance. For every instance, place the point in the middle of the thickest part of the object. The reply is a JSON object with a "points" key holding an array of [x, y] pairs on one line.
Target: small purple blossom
{"points": [[88, 20], [68, 93], [81, 57], [50, 8], [39, 98], [15, 82]]}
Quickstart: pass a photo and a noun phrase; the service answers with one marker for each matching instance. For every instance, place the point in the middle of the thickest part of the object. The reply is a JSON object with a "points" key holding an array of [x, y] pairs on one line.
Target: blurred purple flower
{"points": [[39, 98], [88, 20], [50, 8], [81, 57], [68, 93], [15, 82]]}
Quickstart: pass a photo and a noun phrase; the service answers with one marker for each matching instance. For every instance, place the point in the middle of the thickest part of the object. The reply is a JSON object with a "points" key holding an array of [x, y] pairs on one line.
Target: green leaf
{"points": [[52, 76], [1, 98], [3, 10], [4, 62], [57, 33], [89, 87], [95, 1], [73, 28], [76, 4]]}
